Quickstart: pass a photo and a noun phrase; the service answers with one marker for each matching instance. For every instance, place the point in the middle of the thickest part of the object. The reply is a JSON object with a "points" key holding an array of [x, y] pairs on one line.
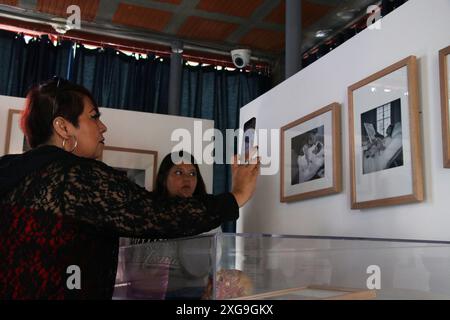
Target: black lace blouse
{"points": [[71, 212]]}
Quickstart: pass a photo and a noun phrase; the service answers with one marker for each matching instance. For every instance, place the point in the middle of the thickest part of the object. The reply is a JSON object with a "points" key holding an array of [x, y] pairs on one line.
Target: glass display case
{"points": [[260, 266]]}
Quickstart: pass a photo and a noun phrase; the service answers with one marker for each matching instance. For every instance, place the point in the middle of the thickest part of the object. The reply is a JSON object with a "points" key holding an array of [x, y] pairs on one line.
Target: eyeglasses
{"points": [[60, 82]]}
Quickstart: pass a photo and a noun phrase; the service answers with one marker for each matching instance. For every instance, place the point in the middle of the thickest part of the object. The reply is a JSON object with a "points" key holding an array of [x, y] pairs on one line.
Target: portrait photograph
{"points": [[139, 165], [311, 155], [384, 133]]}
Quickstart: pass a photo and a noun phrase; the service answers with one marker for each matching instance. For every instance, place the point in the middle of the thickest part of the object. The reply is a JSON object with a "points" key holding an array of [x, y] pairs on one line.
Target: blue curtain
{"points": [[208, 93], [22, 64], [123, 82]]}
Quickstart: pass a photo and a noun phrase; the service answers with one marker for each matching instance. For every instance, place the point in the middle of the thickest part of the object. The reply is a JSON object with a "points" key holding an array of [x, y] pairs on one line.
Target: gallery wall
{"points": [[419, 28], [129, 129]]}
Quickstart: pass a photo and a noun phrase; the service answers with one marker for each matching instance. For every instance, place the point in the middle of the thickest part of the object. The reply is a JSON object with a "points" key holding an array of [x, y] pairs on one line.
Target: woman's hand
{"points": [[244, 178]]}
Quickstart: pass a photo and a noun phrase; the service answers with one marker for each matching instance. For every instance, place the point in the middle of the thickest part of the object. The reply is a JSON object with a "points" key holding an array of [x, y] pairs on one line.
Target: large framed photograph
{"points": [[310, 155], [139, 165], [15, 139], [385, 148], [444, 71]]}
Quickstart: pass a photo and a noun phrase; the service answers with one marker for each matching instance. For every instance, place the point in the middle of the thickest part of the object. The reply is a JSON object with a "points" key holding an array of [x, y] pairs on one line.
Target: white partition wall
{"points": [[128, 129], [419, 28]]}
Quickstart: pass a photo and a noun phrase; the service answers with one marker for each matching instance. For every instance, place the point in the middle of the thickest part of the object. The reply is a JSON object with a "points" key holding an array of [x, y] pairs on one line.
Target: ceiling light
{"points": [[322, 33], [60, 25], [60, 28], [346, 14], [177, 50]]}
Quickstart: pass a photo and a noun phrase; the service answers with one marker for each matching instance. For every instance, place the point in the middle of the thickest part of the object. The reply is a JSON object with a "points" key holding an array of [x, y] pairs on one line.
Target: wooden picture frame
{"points": [[140, 165], [444, 74], [314, 292], [15, 142], [310, 153], [384, 133]]}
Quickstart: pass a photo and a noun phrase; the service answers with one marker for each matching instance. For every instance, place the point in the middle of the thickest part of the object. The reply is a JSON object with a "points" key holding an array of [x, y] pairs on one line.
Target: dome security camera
{"points": [[241, 57]]}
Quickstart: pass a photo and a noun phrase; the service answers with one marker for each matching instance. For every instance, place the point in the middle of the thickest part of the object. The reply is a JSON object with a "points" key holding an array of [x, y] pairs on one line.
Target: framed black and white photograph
{"points": [[308, 156], [381, 137], [311, 155], [444, 71], [139, 165], [15, 139], [385, 149]]}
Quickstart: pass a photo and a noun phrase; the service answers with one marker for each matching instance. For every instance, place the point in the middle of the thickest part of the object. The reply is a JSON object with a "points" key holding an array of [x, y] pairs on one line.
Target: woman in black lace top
{"points": [[62, 212]]}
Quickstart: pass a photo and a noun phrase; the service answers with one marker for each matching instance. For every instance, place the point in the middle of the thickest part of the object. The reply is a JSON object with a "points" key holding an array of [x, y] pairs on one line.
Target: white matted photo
{"points": [[15, 139], [385, 150], [311, 155], [139, 165]]}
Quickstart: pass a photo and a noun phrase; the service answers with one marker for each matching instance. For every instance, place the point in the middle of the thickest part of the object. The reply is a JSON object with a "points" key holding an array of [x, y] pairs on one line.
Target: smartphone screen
{"points": [[249, 137]]}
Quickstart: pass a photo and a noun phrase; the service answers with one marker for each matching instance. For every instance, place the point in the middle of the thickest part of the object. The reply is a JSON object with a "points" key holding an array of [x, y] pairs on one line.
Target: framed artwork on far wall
{"points": [[444, 72], [384, 133], [310, 153], [15, 139], [139, 165]]}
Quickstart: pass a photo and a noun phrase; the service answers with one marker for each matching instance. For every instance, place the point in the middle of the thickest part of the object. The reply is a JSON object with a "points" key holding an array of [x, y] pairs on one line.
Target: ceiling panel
{"points": [[220, 25], [206, 29], [9, 2], [311, 12], [137, 16], [239, 8], [59, 8], [278, 14], [264, 40]]}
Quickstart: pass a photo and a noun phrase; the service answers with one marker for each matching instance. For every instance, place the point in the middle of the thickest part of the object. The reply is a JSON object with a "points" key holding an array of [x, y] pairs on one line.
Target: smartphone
{"points": [[249, 137]]}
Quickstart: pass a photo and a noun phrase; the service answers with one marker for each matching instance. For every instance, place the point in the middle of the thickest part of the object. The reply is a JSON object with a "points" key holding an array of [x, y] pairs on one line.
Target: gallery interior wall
{"points": [[419, 28], [129, 129]]}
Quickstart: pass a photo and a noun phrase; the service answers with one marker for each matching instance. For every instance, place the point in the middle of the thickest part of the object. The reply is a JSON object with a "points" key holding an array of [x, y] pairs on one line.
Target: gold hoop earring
{"points": [[74, 147]]}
